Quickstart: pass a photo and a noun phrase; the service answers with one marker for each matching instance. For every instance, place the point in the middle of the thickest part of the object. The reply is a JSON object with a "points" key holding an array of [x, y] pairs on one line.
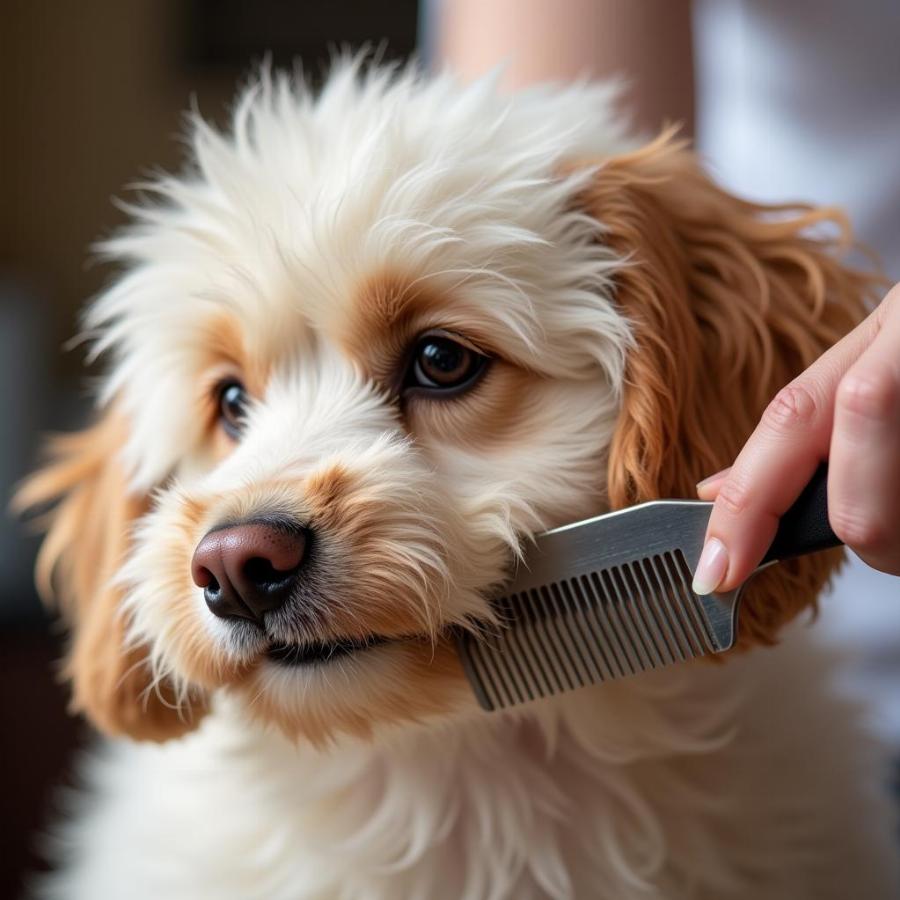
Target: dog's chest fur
{"points": [[647, 788]]}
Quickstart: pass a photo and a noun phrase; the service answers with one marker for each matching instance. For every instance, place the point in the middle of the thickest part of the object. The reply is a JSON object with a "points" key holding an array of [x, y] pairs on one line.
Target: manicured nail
{"points": [[711, 568], [711, 478]]}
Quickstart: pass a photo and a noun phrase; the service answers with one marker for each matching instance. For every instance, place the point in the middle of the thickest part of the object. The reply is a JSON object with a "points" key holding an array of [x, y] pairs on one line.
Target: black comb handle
{"points": [[804, 527]]}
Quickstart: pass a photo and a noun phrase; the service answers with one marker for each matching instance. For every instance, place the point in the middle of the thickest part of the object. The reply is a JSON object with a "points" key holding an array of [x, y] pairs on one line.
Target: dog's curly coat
{"points": [[637, 320]]}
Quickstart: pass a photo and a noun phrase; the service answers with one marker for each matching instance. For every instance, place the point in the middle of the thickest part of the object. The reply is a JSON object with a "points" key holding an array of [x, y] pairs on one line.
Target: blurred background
{"points": [[91, 97]]}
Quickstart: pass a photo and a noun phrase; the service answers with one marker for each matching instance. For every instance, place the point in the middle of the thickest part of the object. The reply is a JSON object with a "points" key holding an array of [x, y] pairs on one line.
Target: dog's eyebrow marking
{"points": [[226, 340], [387, 301], [386, 310], [387, 296], [389, 309]]}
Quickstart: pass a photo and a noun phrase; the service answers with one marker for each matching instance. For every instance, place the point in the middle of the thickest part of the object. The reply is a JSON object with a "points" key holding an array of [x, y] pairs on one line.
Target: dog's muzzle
{"points": [[249, 568]]}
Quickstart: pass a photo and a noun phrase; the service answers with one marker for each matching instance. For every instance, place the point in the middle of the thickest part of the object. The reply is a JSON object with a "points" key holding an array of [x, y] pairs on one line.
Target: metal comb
{"points": [[611, 596]]}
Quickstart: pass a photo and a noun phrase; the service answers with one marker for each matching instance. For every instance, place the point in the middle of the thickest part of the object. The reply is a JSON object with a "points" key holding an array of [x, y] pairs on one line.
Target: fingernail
{"points": [[710, 478], [711, 568]]}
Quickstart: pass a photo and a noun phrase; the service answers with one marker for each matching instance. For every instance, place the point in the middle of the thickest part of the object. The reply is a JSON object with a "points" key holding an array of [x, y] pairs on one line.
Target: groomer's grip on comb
{"points": [[805, 528], [844, 408]]}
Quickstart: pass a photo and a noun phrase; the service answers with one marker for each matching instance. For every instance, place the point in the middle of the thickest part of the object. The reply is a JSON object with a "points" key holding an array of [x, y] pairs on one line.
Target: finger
{"points": [[774, 466], [709, 487], [864, 462]]}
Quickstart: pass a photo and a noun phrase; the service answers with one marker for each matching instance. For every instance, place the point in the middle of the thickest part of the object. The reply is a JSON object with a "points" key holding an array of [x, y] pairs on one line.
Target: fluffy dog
{"points": [[360, 351]]}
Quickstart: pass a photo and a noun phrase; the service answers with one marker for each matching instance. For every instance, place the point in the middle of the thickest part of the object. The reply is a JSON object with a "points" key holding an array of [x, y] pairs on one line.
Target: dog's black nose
{"points": [[250, 568]]}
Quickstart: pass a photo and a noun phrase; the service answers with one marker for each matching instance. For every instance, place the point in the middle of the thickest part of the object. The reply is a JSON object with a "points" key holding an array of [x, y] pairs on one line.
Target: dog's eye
{"points": [[440, 364], [232, 406]]}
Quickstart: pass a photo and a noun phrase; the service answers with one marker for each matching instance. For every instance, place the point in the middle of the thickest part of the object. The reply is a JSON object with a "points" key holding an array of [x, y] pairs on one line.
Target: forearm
{"points": [[647, 41]]}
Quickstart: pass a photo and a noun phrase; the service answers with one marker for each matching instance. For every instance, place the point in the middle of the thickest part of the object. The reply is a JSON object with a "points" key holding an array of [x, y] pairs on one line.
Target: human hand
{"points": [[844, 408]]}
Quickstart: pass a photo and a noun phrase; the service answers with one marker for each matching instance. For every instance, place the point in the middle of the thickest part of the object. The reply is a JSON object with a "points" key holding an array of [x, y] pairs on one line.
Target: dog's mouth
{"points": [[323, 651]]}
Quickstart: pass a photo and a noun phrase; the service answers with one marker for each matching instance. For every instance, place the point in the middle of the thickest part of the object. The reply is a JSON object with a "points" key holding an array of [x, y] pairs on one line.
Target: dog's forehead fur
{"points": [[386, 205]]}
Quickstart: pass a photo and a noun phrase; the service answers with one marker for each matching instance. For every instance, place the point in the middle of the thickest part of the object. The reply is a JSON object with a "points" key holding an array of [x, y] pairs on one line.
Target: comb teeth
{"points": [[606, 624]]}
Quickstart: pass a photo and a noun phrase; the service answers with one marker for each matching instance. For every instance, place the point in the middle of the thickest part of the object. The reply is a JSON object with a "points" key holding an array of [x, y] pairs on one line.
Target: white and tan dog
{"points": [[361, 351]]}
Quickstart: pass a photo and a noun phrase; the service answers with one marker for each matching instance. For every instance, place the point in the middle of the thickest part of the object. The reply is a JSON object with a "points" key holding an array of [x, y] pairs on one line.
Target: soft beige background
{"points": [[91, 95]]}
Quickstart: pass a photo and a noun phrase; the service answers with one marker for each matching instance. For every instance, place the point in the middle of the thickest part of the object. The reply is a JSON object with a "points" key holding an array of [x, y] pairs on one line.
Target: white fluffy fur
{"points": [[746, 780], [742, 781]]}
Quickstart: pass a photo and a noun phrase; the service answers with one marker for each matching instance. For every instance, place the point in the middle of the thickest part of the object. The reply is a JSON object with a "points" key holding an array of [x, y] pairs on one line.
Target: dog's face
{"points": [[367, 348], [393, 428]]}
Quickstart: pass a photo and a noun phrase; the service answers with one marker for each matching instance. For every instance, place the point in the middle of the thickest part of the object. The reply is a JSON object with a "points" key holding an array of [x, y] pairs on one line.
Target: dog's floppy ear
{"points": [[87, 538], [728, 300]]}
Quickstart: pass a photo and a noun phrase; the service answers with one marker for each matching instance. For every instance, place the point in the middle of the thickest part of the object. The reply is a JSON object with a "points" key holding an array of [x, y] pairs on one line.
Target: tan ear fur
{"points": [[729, 301], [87, 538]]}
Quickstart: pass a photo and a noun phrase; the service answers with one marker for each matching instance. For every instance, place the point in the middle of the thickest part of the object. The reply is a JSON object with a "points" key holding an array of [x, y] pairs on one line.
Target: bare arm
{"points": [[649, 41]]}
